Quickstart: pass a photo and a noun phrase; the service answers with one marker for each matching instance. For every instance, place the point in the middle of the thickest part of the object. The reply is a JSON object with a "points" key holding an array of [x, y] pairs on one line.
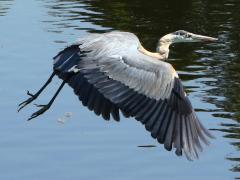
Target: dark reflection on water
{"points": [[213, 70], [5, 6]]}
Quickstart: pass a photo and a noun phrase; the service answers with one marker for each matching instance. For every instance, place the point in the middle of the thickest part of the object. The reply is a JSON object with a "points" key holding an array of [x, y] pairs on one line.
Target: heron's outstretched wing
{"points": [[87, 93], [145, 88]]}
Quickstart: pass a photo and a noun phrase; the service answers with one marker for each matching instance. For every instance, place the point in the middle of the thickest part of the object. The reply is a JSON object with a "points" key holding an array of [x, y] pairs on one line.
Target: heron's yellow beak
{"points": [[201, 38]]}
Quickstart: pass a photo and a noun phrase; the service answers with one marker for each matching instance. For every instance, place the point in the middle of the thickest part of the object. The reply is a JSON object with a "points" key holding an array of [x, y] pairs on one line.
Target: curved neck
{"points": [[148, 53], [162, 51], [163, 48]]}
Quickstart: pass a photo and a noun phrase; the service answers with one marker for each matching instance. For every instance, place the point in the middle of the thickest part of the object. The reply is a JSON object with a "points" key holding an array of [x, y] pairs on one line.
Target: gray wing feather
{"points": [[118, 56]]}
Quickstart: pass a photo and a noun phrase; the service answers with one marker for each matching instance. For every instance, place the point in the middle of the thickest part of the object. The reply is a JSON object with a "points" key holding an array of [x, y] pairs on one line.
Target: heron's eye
{"points": [[181, 33], [177, 33]]}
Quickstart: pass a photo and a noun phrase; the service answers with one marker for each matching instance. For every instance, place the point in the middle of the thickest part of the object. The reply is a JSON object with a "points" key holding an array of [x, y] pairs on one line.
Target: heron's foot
{"points": [[40, 111], [29, 100]]}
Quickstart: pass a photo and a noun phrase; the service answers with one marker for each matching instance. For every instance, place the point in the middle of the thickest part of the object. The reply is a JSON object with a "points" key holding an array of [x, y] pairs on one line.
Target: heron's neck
{"points": [[163, 48], [162, 51]]}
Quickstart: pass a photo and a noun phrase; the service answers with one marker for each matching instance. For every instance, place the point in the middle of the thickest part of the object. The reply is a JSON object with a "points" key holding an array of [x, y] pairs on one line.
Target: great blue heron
{"points": [[112, 72]]}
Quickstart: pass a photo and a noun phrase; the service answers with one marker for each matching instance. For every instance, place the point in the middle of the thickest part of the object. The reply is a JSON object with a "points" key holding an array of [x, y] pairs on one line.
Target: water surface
{"points": [[80, 145]]}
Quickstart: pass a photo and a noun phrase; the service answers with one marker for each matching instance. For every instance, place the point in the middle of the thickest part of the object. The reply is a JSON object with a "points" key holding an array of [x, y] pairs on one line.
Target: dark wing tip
{"points": [[193, 135], [174, 124], [189, 134]]}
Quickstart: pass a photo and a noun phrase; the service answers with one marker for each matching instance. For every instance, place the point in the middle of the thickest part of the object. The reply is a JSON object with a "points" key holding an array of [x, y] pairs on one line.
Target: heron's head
{"points": [[184, 36]]}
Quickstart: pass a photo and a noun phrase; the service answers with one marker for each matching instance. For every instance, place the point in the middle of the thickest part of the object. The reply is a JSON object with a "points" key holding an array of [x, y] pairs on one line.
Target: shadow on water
{"points": [[210, 71]]}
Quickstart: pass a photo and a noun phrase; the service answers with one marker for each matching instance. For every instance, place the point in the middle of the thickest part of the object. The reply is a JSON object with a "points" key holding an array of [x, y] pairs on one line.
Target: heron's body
{"points": [[112, 72]]}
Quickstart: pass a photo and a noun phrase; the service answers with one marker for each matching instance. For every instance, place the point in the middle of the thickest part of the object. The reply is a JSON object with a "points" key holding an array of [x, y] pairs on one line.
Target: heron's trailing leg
{"points": [[34, 96], [47, 106]]}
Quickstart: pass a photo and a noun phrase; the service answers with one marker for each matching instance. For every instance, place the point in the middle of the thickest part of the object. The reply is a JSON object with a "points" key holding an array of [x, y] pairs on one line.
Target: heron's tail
{"points": [[65, 60]]}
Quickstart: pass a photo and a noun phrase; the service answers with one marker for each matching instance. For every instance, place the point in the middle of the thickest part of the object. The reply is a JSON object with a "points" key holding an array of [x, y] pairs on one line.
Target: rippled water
{"points": [[69, 142]]}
